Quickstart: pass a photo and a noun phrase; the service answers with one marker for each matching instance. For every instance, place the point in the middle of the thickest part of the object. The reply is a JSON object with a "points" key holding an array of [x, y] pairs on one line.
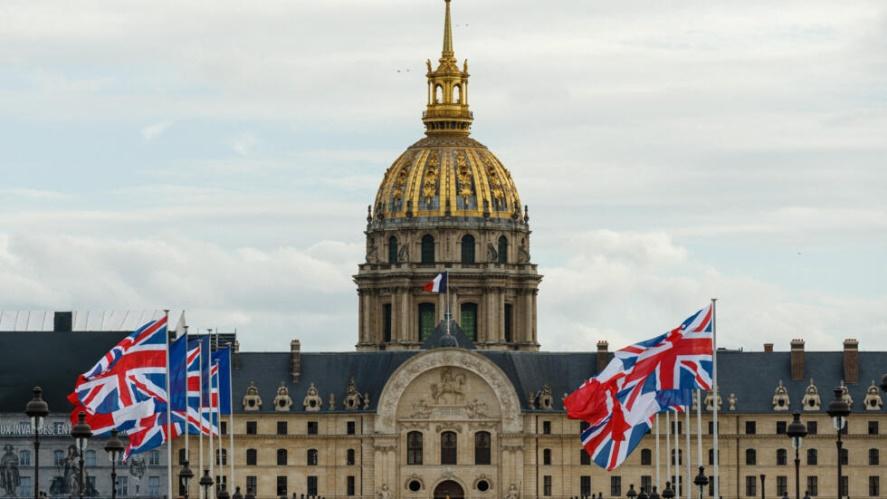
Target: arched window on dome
{"points": [[392, 250], [503, 250], [457, 94], [468, 249], [468, 320], [438, 94], [427, 249]]}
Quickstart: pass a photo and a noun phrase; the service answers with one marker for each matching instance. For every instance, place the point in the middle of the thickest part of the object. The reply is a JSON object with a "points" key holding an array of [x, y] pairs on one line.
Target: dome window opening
{"points": [[457, 94], [468, 249], [427, 250], [503, 250], [392, 250], [438, 94]]}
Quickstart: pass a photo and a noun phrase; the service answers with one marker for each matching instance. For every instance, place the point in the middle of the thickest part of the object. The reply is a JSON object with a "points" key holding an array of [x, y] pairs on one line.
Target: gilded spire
{"points": [[447, 52], [447, 110]]}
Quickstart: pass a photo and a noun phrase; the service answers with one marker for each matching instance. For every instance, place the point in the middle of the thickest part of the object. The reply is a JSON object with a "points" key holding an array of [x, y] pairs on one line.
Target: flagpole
{"points": [[219, 416], [677, 455], [200, 416], [449, 313], [212, 453], [169, 435], [231, 412], [687, 486], [714, 375], [658, 478], [668, 444], [699, 430]]}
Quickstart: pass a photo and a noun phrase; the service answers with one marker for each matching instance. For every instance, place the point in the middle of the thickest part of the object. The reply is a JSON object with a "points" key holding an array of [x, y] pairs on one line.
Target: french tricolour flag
{"points": [[437, 285]]}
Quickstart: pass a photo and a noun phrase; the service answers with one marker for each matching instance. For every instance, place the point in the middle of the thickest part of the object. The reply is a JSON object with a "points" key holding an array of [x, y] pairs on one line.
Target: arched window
{"points": [[468, 249], [482, 447], [503, 250], [427, 320], [24, 458], [221, 455], [546, 457], [457, 94], [392, 250], [312, 457], [751, 457], [59, 457], [414, 447], [251, 457], [646, 457], [781, 457], [448, 447], [349, 458], [812, 456], [468, 319], [427, 249], [89, 458], [438, 94], [281, 457], [874, 457]]}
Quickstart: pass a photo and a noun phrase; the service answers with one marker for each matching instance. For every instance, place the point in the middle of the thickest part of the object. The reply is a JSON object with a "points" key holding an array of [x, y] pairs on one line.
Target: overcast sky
{"points": [[218, 157]]}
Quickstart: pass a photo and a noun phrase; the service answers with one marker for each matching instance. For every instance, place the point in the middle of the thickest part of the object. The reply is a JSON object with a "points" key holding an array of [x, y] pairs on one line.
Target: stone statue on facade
{"points": [[9, 475], [512, 492], [384, 493]]}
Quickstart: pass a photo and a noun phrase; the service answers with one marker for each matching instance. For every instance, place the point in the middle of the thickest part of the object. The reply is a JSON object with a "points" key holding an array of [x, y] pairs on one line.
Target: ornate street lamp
{"points": [[667, 493], [114, 448], [631, 494], [185, 475], [206, 482], [797, 431], [81, 433], [701, 481], [838, 410], [37, 410]]}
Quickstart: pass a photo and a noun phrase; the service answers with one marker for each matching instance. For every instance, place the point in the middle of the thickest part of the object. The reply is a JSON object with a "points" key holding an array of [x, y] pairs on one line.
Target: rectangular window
{"points": [[844, 486], [122, 486], [711, 486], [646, 483], [251, 428], [873, 427], [386, 323], [711, 427], [90, 485], [154, 486], [281, 486], [812, 428], [546, 427], [350, 428], [349, 457], [427, 320], [584, 458], [780, 428], [508, 322], [223, 427], [585, 486], [312, 427], [750, 428], [615, 486], [312, 485], [251, 484], [874, 486], [154, 458], [25, 487], [468, 322], [281, 427], [751, 486], [845, 456], [781, 485], [349, 485], [546, 485], [813, 486]]}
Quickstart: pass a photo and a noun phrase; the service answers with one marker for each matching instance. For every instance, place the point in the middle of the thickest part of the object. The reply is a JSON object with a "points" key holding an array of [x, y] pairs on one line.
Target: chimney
{"points": [[851, 361], [768, 347], [295, 360], [797, 359], [236, 357], [63, 322], [603, 356]]}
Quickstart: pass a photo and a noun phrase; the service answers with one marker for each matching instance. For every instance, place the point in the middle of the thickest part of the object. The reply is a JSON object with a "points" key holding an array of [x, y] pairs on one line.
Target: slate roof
{"points": [[53, 360]]}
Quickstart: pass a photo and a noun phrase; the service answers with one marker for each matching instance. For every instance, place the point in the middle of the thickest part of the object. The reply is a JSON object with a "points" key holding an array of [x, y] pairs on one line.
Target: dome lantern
{"points": [[447, 109]]}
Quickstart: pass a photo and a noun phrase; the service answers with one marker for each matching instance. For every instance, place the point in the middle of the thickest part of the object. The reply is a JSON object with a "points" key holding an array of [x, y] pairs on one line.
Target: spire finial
{"points": [[447, 51]]}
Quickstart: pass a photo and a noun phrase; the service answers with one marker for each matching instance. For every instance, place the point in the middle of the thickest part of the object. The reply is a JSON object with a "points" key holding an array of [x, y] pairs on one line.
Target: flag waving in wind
{"points": [[641, 380], [438, 284]]}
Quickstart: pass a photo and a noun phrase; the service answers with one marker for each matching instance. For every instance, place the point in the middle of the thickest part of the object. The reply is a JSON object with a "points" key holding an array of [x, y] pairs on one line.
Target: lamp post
{"points": [[114, 447], [838, 410], [797, 431], [206, 482], [81, 433], [185, 475], [37, 409], [701, 481]]}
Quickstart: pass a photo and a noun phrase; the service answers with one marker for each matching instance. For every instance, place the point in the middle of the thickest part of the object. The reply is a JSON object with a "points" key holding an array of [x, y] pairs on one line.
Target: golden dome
{"points": [[447, 174]]}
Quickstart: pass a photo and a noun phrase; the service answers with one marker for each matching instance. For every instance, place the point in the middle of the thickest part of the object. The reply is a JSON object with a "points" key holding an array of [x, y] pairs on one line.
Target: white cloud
{"points": [[151, 132], [244, 144]]}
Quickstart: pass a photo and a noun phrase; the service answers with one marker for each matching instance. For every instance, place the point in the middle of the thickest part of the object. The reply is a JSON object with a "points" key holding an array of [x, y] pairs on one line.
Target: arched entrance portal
{"points": [[448, 490]]}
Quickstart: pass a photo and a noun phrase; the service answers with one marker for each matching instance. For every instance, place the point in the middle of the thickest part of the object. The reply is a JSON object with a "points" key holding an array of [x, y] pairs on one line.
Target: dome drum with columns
{"points": [[447, 204]]}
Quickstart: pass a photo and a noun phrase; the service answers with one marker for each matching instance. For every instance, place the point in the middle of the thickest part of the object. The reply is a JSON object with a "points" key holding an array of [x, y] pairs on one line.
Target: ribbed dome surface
{"points": [[447, 176]]}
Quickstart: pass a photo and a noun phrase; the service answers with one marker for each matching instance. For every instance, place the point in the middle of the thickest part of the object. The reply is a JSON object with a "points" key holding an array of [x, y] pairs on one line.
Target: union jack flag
{"points": [[642, 379], [132, 372], [152, 433], [196, 423]]}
